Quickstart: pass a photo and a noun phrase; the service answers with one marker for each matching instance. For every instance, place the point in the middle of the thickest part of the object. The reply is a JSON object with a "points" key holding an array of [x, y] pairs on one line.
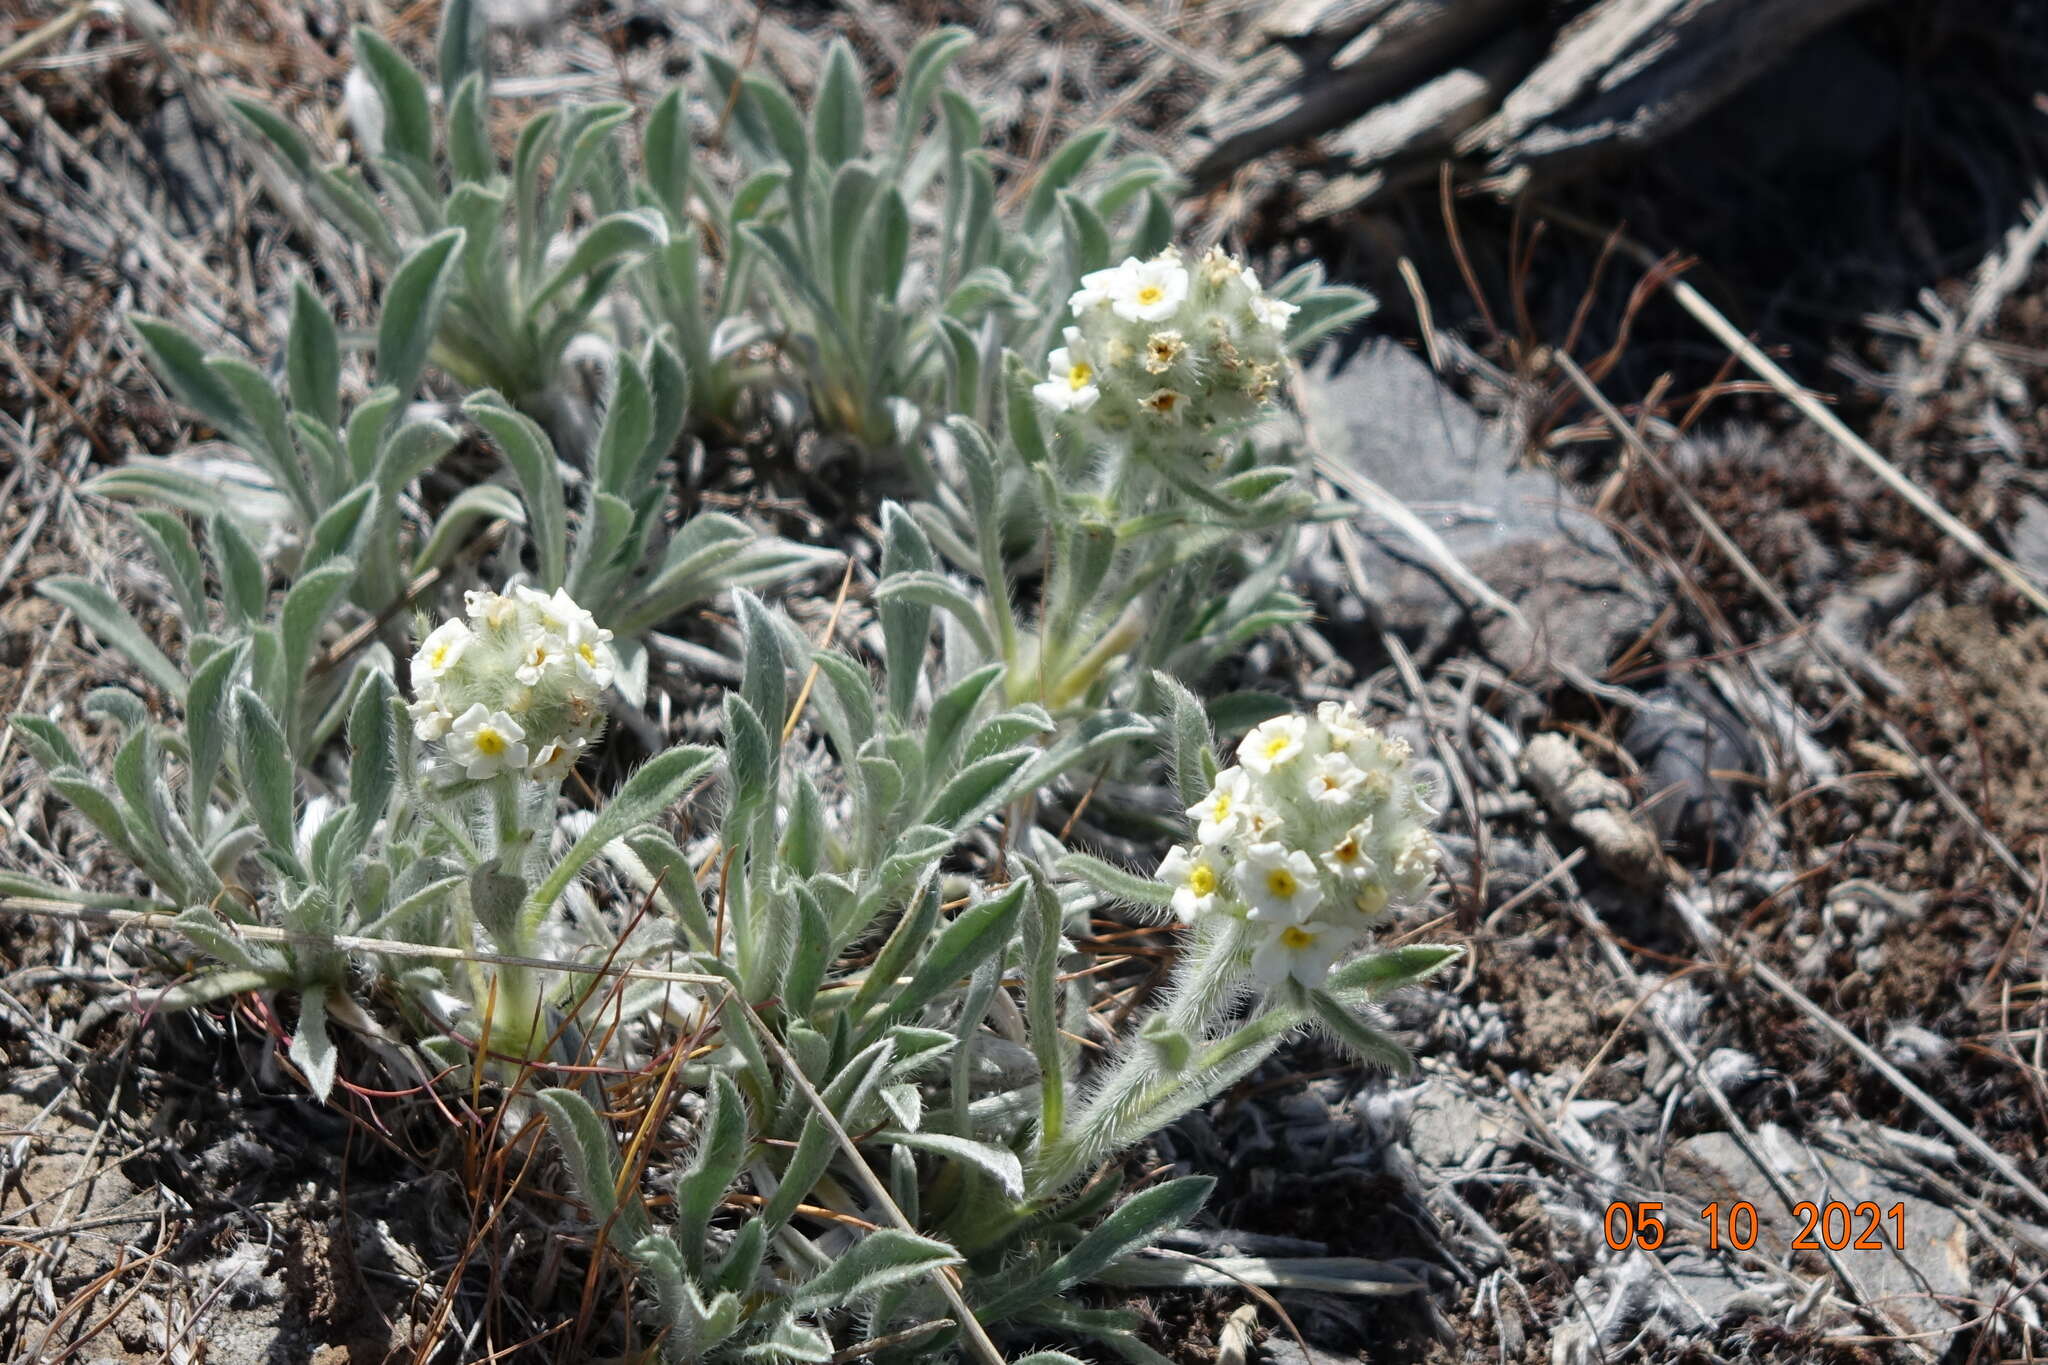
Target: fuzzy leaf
{"points": [[313, 357], [1381, 973], [95, 607], [591, 1157], [653, 787], [1357, 1037], [266, 765], [408, 121], [998, 1163], [412, 309], [1114, 881], [531, 456], [311, 1046], [1138, 1222], [884, 1257]]}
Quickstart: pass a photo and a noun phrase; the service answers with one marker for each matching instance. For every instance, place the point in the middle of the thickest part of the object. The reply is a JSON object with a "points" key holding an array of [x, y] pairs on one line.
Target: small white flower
{"points": [[1273, 744], [437, 654], [1196, 880], [1149, 291], [486, 743], [1100, 286], [1221, 813], [1341, 722], [430, 719], [1072, 387], [1348, 860], [1415, 861], [1279, 883], [1333, 779], [1302, 951], [1273, 314], [544, 652], [555, 760]]}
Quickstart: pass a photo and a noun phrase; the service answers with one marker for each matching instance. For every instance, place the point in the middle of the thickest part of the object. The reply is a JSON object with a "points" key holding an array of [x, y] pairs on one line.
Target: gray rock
{"points": [[1446, 1126], [1516, 527], [1911, 1285]]}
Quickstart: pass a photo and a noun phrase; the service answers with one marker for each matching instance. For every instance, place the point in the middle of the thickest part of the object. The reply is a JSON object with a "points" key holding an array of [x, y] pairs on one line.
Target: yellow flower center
{"points": [[437, 658], [1079, 373], [1150, 294], [1202, 881], [1346, 852], [1372, 900], [1297, 938], [1282, 884], [1222, 805], [489, 742], [589, 654], [1277, 745]]}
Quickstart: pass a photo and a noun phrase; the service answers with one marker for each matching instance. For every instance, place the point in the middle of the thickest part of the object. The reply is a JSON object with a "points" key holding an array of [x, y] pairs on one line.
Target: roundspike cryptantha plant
{"points": [[1320, 831]]}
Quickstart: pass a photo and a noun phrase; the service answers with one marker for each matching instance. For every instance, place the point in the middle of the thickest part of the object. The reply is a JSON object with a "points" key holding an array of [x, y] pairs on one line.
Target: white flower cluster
{"points": [[1160, 343], [515, 687], [1307, 841]]}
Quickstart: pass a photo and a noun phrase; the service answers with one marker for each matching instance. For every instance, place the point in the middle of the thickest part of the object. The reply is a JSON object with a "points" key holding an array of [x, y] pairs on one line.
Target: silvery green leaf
{"points": [[951, 713], [342, 191], [666, 156], [778, 118], [1380, 973], [1000, 1164], [244, 585], [848, 1094], [838, 114], [46, 742], [306, 609], [96, 608], [1358, 1038], [976, 934], [483, 502], [207, 727], [1061, 169], [853, 190], [1114, 881], [936, 590], [409, 451], [714, 1166], [181, 364], [978, 789], [273, 128], [373, 757], [338, 532], [1008, 730], [313, 357], [906, 626], [1327, 310], [320, 446], [266, 771], [607, 241], [311, 1047], [207, 988], [412, 310], [763, 684], [1040, 927], [677, 891], [790, 1343], [923, 69], [630, 677], [1087, 240], [749, 756], [847, 701], [592, 1160], [653, 787], [212, 936], [804, 837], [532, 458], [1194, 749], [1138, 1222], [367, 427], [1048, 1358], [459, 51], [469, 142], [912, 929], [98, 806], [171, 545], [882, 1258], [1155, 229], [408, 122], [536, 140]]}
